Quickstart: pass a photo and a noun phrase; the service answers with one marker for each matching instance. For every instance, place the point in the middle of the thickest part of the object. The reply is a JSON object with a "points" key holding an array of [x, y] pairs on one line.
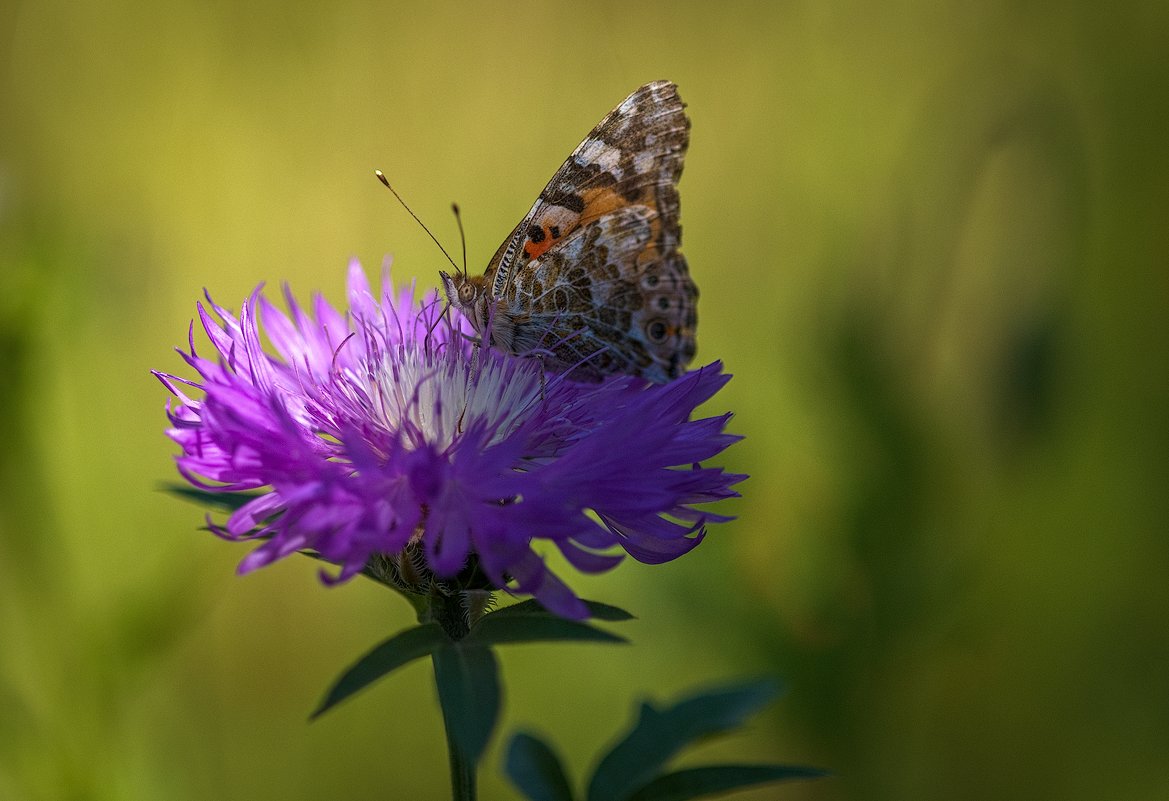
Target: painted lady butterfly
{"points": [[591, 280]]}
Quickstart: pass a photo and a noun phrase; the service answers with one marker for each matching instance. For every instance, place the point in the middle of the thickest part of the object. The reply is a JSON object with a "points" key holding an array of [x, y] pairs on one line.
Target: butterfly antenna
{"points": [[462, 236], [381, 177]]}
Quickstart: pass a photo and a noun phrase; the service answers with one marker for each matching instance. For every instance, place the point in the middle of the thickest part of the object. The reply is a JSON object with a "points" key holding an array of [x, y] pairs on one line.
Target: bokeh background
{"points": [[932, 245]]}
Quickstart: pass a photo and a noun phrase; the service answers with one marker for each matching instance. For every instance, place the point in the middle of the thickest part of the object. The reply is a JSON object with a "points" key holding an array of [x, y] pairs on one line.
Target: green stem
{"points": [[448, 613], [463, 786]]}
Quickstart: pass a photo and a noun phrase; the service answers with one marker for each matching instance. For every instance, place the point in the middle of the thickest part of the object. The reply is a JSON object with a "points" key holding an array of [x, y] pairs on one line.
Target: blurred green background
{"points": [[932, 246]]}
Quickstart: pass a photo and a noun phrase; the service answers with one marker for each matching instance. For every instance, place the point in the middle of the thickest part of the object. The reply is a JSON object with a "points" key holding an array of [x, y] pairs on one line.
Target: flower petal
{"points": [[374, 430]]}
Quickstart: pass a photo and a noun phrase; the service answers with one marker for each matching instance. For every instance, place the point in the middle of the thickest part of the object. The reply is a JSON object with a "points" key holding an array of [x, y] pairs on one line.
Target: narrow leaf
{"points": [[684, 785], [402, 648], [496, 629], [535, 770], [606, 612], [467, 676], [598, 610], [224, 501], [659, 735]]}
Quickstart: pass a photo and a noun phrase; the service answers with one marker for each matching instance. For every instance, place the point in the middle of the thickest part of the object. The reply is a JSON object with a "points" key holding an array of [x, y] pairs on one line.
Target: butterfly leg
{"points": [[543, 379], [472, 373], [459, 422]]}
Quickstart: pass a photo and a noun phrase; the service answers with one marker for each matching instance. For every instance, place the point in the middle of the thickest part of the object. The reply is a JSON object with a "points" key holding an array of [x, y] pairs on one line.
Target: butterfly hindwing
{"points": [[607, 300]]}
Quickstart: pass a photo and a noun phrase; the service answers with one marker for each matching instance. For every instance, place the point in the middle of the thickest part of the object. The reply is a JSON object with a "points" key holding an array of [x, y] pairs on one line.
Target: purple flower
{"points": [[384, 429]]}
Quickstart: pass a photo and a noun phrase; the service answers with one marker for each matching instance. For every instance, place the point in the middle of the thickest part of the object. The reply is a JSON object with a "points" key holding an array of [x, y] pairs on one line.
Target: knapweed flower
{"points": [[385, 430]]}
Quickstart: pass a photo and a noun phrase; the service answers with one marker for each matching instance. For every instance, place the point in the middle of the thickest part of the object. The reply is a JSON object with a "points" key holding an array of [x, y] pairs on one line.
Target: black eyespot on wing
{"points": [[656, 330], [536, 234], [664, 303], [555, 231]]}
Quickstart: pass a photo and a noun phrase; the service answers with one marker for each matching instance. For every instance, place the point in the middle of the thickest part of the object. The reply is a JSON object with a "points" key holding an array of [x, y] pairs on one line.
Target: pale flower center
{"points": [[437, 397]]}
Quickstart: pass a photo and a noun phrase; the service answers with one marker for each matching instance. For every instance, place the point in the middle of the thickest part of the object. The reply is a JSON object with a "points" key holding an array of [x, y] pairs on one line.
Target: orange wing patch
{"points": [[558, 222]]}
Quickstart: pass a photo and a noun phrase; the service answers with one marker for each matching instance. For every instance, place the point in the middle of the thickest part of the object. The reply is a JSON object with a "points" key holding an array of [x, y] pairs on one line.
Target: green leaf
{"points": [[497, 629], [606, 612], [402, 648], [596, 609], [683, 785], [535, 770], [659, 735], [224, 501], [467, 676]]}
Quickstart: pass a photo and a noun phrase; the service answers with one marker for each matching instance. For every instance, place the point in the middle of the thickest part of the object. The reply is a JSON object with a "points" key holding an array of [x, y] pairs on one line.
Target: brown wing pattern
{"points": [[591, 280], [607, 300], [632, 157]]}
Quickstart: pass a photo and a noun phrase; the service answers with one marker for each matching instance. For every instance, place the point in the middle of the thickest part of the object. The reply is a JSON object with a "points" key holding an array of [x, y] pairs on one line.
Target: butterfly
{"points": [[591, 281]]}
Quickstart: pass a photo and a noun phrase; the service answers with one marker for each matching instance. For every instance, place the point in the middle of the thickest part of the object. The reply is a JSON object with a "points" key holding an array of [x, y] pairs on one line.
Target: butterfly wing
{"points": [[606, 300], [633, 156], [592, 277]]}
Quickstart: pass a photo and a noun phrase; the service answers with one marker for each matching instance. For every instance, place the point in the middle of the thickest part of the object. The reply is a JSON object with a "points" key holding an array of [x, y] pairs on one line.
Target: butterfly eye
{"points": [[466, 293]]}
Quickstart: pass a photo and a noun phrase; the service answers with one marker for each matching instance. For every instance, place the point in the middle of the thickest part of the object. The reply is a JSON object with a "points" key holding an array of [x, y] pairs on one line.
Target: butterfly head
{"points": [[468, 294]]}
